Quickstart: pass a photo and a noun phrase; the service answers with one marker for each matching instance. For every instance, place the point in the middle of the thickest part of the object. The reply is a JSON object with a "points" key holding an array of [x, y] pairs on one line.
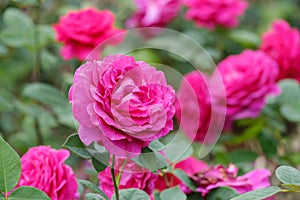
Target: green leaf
{"points": [[150, 160], [244, 37], [268, 144], [28, 193], [92, 196], [132, 194], [290, 92], [93, 188], [185, 179], [221, 193], [288, 175], [10, 167], [45, 94], [15, 18], [172, 193], [291, 112], [74, 144], [156, 145], [99, 165], [242, 156], [259, 194], [194, 196]]}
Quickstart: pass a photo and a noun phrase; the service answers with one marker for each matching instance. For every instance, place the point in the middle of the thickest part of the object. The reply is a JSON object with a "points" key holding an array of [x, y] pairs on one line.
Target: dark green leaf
{"points": [[132, 194], [172, 193], [259, 194], [28, 193], [195, 196], [242, 156], [74, 144], [268, 144], [99, 165], [185, 179], [288, 175], [221, 193], [93, 188], [10, 167]]}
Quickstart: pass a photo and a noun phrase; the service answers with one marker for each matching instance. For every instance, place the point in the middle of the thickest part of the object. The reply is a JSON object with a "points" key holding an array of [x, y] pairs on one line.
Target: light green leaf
{"points": [[245, 37], [156, 145], [288, 175], [290, 91], [259, 194], [28, 193], [15, 18], [93, 188], [92, 196], [74, 144], [132, 194], [45, 94], [292, 187], [172, 193], [151, 160], [10, 167], [291, 111], [185, 179]]}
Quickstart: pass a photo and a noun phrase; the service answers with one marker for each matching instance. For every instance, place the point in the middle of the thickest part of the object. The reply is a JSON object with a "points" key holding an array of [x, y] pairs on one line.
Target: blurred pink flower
{"points": [[132, 176], [44, 168], [193, 106], [218, 176], [212, 13], [122, 103], [154, 13], [282, 43], [248, 79], [83, 30]]}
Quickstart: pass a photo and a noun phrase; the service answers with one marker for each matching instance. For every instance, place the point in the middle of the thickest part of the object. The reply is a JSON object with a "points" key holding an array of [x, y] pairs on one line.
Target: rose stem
{"points": [[114, 178]]}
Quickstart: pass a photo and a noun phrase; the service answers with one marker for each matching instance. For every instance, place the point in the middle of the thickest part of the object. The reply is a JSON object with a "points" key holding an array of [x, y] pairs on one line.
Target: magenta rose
{"points": [[83, 30], [154, 13], [212, 13], [193, 106], [282, 43], [248, 79], [132, 176], [217, 176], [121, 103], [44, 168]]}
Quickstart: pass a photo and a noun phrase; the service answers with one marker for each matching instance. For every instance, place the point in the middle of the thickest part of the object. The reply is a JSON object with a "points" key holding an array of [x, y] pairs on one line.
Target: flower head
{"points": [[122, 103], [212, 13], [248, 79], [82, 31], [44, 168], [154, 13], [282, 43]]}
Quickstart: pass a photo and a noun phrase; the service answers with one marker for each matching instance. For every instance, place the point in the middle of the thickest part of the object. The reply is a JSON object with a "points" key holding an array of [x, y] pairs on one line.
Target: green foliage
{"points": [[74, 144], [221, 193], [28, 193], [10, 167], [132, 194], [93, 188], [185, 179], [288, 175], [172, 193], [259, 194]]}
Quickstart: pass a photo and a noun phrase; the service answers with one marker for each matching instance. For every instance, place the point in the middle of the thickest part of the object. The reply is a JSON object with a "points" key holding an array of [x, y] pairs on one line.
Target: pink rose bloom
{"points": [[132, 176], [82, 31], [193, 107], [248, 79], [44, 168], [121, 103], [212, 13], [218, 176], [282, 43], [152, 13]]}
